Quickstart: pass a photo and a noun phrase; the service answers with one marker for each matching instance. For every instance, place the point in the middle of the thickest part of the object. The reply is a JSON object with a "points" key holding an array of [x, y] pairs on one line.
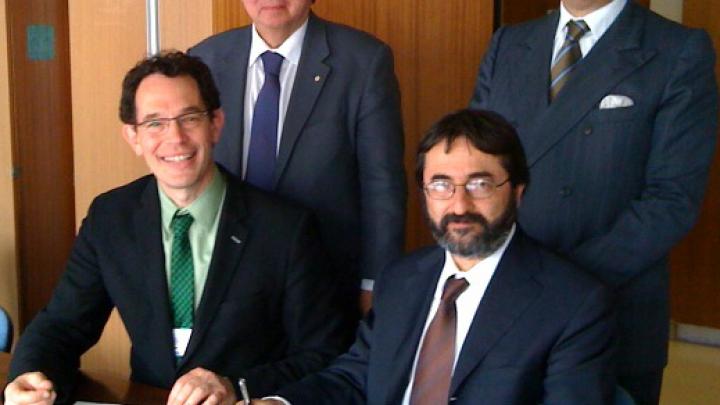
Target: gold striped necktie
{"points": [[568, 56]]}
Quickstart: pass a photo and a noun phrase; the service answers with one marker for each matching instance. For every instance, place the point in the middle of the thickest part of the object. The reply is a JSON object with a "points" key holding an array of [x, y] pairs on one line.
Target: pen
{"points": [[244, 391]]}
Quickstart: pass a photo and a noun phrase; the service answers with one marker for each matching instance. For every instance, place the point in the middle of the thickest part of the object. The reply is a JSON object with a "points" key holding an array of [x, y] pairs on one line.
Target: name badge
{"points": [[181, 337]]}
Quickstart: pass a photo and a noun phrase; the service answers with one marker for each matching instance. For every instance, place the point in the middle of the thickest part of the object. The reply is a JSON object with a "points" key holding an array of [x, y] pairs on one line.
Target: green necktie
{"points": [[182, 279]]}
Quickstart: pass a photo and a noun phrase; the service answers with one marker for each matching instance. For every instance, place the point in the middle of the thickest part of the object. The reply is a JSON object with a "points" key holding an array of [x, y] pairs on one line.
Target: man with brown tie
{"points": [[487, 316]]}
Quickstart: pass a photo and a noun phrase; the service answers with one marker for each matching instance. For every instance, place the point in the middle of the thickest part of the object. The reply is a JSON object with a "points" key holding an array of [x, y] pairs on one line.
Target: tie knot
{"points": [[453, 288], [272, 62], [181, 223], [576, 29]]}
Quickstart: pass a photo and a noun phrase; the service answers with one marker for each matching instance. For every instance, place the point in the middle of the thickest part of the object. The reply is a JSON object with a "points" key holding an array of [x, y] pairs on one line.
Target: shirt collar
{"points": [[203, 209], [290, 49], [598, 21], [480, 270]]}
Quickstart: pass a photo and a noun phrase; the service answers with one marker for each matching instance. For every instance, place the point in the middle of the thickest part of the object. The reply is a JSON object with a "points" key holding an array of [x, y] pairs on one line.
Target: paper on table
{"points": [[94, 403]]}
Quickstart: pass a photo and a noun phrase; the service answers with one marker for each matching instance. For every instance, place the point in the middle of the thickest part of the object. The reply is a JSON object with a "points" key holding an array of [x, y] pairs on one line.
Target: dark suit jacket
{"points": [[267, 312], [542, 333], [341, 152], [612, 189]]}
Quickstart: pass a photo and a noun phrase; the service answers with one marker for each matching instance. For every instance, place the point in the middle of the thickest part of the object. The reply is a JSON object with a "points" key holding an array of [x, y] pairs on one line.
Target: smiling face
{"points": [[180, 159], [276, 20], [470, 229]]}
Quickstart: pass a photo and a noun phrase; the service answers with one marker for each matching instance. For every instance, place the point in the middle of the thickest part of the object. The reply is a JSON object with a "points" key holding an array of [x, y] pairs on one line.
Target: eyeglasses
{"points": [[187, 122], [477, 188]]}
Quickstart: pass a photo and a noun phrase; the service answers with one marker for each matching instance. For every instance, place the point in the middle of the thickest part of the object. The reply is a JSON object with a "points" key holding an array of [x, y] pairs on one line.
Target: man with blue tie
{"points": [[617, 109], [488, 316], [214, 280], [313, 114]]}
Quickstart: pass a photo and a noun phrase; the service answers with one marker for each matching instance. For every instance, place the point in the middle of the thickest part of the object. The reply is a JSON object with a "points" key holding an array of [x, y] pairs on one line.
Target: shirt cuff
{"points": [[367, 285], [281, 399]]}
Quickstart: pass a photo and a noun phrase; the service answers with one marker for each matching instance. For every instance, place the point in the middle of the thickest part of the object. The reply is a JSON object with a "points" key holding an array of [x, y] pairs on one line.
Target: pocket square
{"points": [[616, 101]]}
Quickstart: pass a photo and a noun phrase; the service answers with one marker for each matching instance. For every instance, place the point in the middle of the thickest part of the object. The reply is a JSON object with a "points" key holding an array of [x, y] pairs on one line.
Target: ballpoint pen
{"points": [[244, 391]]}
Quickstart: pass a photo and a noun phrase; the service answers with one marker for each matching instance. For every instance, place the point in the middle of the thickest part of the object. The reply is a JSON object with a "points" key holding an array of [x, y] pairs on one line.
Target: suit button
{"points": [[452, 399], [566, 191], [587, 131]]}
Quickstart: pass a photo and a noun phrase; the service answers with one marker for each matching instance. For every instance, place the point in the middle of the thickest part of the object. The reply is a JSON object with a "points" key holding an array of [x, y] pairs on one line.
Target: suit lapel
{"points": [[510, 292], [414, 297], [535, 53], [148, 229], [232, 75], [613, 58], [312, 72], [229, 242]]}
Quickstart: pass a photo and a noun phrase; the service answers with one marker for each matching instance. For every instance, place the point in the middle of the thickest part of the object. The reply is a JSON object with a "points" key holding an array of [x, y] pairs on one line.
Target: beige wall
{"points": [[671, 9], [8, 260], [107, 37]]}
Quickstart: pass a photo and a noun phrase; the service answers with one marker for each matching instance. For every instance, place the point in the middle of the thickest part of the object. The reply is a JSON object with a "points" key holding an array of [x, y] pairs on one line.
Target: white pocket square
{"points": [[616, 101]]}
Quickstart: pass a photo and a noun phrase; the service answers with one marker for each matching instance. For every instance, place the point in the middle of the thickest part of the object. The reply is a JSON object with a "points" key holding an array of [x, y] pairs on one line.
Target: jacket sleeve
{"points": [[383, 190], [72, 321]]}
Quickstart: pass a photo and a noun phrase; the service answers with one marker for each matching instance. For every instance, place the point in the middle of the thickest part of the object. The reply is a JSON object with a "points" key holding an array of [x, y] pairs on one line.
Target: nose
{"points": [[461, 201], [174, 132]]}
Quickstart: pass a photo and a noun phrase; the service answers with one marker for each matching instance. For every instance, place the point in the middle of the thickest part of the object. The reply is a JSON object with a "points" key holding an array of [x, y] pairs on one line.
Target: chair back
{"points": [[6, 331]]}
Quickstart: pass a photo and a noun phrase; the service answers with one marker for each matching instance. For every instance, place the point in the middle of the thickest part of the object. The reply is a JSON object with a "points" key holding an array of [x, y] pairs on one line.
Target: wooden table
{"points": [[99, 387]]}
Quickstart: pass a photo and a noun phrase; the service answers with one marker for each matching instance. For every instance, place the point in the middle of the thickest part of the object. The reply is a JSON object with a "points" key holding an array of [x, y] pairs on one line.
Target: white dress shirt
{"points": [[599, 21], [291, 50], [478, 277]]}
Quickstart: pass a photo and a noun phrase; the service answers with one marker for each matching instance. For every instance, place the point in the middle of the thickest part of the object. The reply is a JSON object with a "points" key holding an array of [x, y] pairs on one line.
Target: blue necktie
{"points": [[263, 134]]}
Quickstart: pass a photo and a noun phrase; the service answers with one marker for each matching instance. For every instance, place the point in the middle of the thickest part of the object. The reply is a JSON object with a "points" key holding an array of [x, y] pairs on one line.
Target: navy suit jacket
{"points": [[542, 333], [267, 312], [612, 189], [341, 151]]}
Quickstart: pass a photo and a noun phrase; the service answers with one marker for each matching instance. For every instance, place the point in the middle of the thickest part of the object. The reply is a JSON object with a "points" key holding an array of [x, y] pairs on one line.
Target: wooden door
{"points": [[39, 67], [695, 263]]}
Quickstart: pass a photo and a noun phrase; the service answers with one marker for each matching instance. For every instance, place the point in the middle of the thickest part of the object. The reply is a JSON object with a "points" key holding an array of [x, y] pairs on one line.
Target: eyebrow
{"points": [[483, 174], [474, 175], [186, 110]]}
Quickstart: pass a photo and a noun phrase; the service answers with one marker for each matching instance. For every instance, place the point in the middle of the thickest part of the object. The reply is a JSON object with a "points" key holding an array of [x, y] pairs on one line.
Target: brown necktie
{"points": [[568, 56], [435, 362]]}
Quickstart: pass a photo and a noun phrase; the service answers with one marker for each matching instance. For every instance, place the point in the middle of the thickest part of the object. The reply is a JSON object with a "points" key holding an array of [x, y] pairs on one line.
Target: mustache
{"points": [[469, 218]]}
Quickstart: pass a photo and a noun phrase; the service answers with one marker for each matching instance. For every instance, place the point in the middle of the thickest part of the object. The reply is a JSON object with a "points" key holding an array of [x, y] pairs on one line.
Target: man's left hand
{"points": [[200, 386], [365, 302]]}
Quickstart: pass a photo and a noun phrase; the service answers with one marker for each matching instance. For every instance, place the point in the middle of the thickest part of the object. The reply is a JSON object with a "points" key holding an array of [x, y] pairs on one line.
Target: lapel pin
{"points": [[317, 78], [236, 239]]}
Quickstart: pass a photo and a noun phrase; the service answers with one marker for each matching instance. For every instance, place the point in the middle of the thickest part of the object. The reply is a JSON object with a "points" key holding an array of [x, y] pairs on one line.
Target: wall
{"points": [[8, 260], [672, 9]]}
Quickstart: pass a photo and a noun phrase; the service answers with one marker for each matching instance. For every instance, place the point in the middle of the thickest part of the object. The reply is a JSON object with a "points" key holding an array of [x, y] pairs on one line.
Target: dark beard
{"points": [[480, 245]]}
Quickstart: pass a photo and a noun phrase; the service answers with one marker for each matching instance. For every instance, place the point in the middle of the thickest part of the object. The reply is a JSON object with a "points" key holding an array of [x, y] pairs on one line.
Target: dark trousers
{"points": [[644, 388]]}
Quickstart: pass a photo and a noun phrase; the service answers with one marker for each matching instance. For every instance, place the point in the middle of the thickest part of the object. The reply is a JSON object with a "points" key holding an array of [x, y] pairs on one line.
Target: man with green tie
{"points": [[214, 279]]}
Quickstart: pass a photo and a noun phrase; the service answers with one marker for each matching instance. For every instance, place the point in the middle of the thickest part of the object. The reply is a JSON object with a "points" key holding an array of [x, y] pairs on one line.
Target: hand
{"points": [[200, 386], [262, 402], [365, 301], [30, 388]]}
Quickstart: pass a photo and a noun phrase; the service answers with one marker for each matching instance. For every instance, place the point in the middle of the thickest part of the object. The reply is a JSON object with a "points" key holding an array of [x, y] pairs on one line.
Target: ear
{"points": [[216, 125], [131, 137], [519, 190]]}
